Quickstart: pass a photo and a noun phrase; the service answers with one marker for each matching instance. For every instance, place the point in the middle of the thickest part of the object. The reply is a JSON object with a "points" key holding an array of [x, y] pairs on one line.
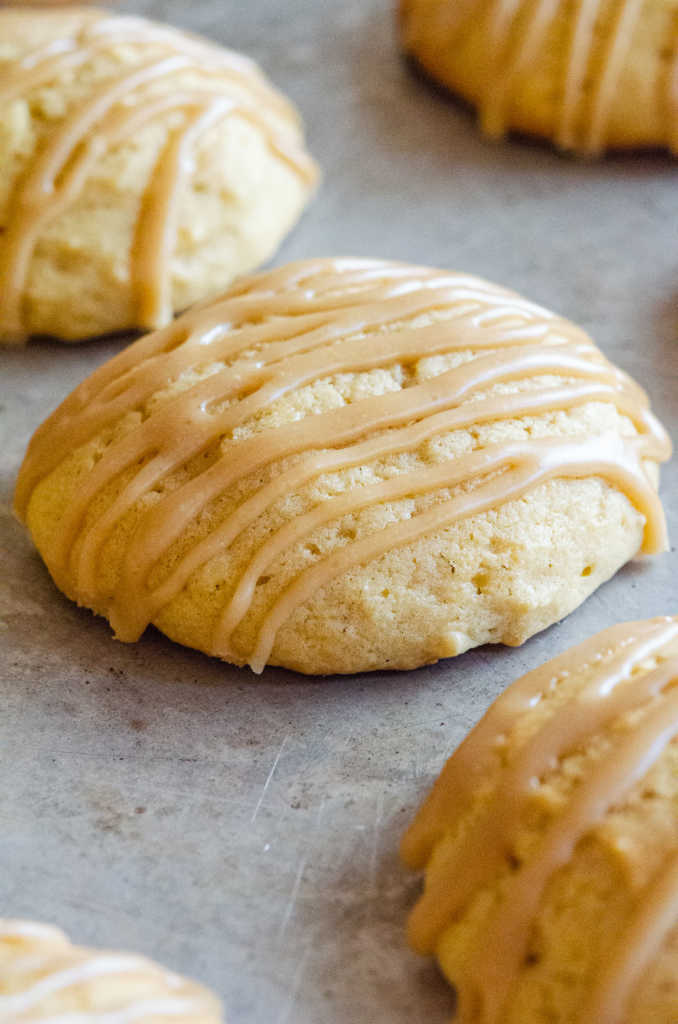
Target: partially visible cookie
{"points": [[550, 842], [590, 75], [345, 465], [141, 169], [43, 978]]}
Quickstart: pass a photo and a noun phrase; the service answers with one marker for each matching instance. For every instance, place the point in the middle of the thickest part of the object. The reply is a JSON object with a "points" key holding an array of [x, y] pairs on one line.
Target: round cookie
{"points": [[589, 75], [550, 842], [45, 978], [141, 169], [346, 465]]}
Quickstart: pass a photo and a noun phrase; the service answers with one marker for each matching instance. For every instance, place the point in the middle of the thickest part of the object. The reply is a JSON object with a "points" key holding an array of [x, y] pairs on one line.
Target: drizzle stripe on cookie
{"points": [[615, 685], [49, 966], [225, 85], [598, 42], [55, 981], [273, 335], [636, 947]]}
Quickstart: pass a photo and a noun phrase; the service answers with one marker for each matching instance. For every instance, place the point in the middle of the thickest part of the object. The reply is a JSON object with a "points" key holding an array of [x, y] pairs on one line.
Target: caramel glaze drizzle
{"points": [[611, 689], [230, 85], [636, 947], [277, 332], [512, 50]]}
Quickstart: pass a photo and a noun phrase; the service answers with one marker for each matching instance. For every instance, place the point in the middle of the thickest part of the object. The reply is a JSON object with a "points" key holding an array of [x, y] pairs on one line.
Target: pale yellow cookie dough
{"points": [[550, 842], [141, 169], [45, 978], [589, 75], [347, 465]]}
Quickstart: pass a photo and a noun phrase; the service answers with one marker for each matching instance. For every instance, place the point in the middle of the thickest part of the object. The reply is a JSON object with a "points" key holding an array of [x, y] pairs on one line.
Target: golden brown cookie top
{"points": [[45, 978], [589, 75], [570, 777], [102, 110], [372, 384]]}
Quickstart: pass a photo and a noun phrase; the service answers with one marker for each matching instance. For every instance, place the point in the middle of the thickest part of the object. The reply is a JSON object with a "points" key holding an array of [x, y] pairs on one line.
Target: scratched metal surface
{"points": [[244, 830]]}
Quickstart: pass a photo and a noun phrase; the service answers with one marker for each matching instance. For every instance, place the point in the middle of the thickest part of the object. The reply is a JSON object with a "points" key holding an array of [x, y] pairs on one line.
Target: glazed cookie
{"points": [[550, 842], [345, 465], [588, 75], [45, 978], [141, 169]]}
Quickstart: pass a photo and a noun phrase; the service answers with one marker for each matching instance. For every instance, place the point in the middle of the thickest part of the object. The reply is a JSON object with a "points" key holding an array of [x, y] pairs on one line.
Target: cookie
{"points": [[141, 169], [346, 465], [550, 842], [590, 75], [45, 978]]}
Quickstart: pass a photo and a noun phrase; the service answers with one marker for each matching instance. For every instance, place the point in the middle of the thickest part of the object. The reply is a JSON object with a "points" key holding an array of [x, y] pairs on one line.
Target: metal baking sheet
{"points": [[244, 830]]}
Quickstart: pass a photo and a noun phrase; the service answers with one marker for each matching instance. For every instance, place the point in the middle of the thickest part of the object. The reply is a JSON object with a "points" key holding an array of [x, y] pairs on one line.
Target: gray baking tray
{"points": [[244, 830]]}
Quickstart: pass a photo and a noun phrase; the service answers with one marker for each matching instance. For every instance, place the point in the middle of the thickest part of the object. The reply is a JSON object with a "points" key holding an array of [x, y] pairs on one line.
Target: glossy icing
{"points": [[618, 681], [269, 337], [223, 85]]}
